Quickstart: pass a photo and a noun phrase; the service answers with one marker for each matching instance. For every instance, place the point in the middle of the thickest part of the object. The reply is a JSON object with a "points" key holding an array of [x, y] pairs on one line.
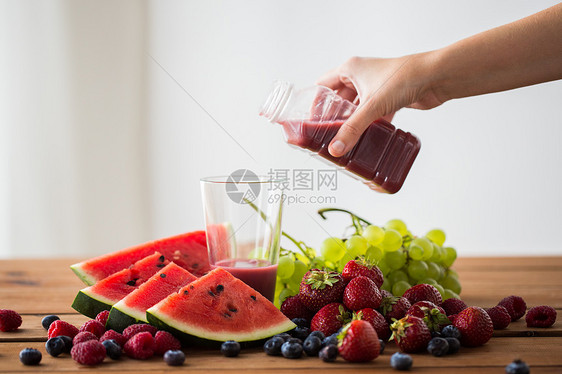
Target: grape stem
{"points": [[354, 217]]}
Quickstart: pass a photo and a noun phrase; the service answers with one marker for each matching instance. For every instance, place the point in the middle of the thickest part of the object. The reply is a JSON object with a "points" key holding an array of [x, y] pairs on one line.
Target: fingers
{"points": [[331, 80]]}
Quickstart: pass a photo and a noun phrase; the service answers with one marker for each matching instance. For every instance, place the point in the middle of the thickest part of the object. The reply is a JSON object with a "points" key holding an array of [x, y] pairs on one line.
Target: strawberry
{"points": [[475, 326], [423, 292], [362, 267], [434, 316], [515, 306], [330, 318], [411, 334], [376, 320], [319, 288], [358, 342], [385, 293], [394, 307], [453, 306], [361, 292], [292, 307], [499, 316]]}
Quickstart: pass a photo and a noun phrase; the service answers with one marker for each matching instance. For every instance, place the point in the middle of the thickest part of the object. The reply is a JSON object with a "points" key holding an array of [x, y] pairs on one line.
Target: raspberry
{"points": [[93, 326], [82, 337], [60, 327], [541, 316], [140, 346], [112, 334], [10, 320], [453, 306], [102, 317], [91, 352], [500, 317], [515, 306], [165, 341], [132, 330]]}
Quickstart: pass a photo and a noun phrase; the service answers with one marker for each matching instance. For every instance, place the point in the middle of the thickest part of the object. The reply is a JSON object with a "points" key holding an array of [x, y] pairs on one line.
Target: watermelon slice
{"points": [[132, 308], [187, 250], [218, 307], [102, 295]]}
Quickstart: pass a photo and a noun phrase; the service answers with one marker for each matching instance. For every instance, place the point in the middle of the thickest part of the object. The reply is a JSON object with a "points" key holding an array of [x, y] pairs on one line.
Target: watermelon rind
{"points": [[84, 277], [90, 304], [119, 320]]}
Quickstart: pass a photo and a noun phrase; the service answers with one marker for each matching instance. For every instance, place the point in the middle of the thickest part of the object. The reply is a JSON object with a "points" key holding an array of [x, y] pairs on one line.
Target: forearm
{"points": [[522, 53]]}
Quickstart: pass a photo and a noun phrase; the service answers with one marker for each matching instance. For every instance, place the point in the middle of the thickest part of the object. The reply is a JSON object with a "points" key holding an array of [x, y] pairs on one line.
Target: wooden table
{"points": [[36, 288]]}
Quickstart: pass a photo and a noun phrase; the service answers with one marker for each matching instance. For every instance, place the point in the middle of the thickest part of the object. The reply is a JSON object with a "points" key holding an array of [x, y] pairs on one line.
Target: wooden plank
{"points": [[487, 264], [32, 331], [496, 354]]}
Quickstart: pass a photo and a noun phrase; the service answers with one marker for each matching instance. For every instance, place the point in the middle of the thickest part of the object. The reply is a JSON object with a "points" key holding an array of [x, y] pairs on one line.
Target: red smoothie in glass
{"points": [[258, 274]]}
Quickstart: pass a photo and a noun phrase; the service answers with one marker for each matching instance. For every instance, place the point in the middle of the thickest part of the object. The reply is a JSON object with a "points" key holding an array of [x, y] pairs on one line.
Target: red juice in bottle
{"points": [[311, 118]]}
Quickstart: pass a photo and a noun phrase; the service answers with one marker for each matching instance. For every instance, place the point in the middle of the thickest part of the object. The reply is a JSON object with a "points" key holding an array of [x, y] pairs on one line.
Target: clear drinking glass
{"points": [[243, 224]]}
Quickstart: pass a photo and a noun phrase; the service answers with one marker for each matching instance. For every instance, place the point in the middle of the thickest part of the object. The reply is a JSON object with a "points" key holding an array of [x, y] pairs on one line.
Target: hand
{"points": [[381, 86]]}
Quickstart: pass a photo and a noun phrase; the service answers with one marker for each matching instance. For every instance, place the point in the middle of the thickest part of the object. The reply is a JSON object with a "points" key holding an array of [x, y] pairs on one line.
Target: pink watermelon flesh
{"points": [[132, 308], [187, 250], [102, 295], [219, 307]]}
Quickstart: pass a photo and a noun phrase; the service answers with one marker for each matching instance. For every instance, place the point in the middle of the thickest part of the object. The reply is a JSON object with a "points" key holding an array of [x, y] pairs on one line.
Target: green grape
{"points": [[374, 253], [383, 266], [453, 273], [318, 263], [448, 294], [300, 271], [425, 244], [396, 276], [398, 225], [333, 249], [415, 252], [434, 271], [395, 260], [451, 283], [449, 256], [285, 267], [392, 240], [373, 234], [285, 293], [440, 289], [417, 269], [356, 246], [294, 287], [437, 236], [431, 281], [436, 256], [399, 288], [302, 258], [387, 285]]}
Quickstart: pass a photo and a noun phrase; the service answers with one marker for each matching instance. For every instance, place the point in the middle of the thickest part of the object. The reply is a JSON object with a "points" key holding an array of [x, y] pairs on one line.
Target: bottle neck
{"points": [[277, 101]]}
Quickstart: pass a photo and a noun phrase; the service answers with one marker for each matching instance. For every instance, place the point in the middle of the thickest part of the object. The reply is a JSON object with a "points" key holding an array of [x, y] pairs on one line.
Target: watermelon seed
{"points": [[227, 315], [162, 275], [132, 282], [161, 258], [253, 297], [211, 293], [186, 292], [195, 266], [160, 265], [191, 287], [220, 288], [233, 310]]}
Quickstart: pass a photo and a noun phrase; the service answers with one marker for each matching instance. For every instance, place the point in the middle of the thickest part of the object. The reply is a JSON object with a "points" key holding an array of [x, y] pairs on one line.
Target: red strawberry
{"points": [[499, 316], [319, 288], [452, 318], [292, 307], [358, 342], [362, 267], [394, 307], [423, 292], [411, 334], [417, 310], [10, 320], [60, 327], [453, 306], [515, 306], [330, 318], [376, 320], [385, 293], [361, 292], [541, 316], [434, 316], [475, 326]]}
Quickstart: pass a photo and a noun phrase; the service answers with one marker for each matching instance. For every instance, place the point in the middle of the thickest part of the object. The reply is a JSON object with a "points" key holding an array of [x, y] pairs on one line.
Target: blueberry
{"points": [[67, 343], [47, 320], [383, 345], [454, 345], [55, 346], [273, 346], [283, 336], [517, 367], [230, 348], [438, 347], [112, 349], [450, 331], [295, 340], [291, 350], [30, 356], [401, 361], [312, 345], [174, 358], [319, 334], [301, 322], [330, 340], [329, 353], [300, 332]]}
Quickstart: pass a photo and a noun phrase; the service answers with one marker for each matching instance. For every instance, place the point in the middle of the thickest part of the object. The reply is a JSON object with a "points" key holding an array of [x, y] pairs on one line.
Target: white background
{"points": [[100, 148]]}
